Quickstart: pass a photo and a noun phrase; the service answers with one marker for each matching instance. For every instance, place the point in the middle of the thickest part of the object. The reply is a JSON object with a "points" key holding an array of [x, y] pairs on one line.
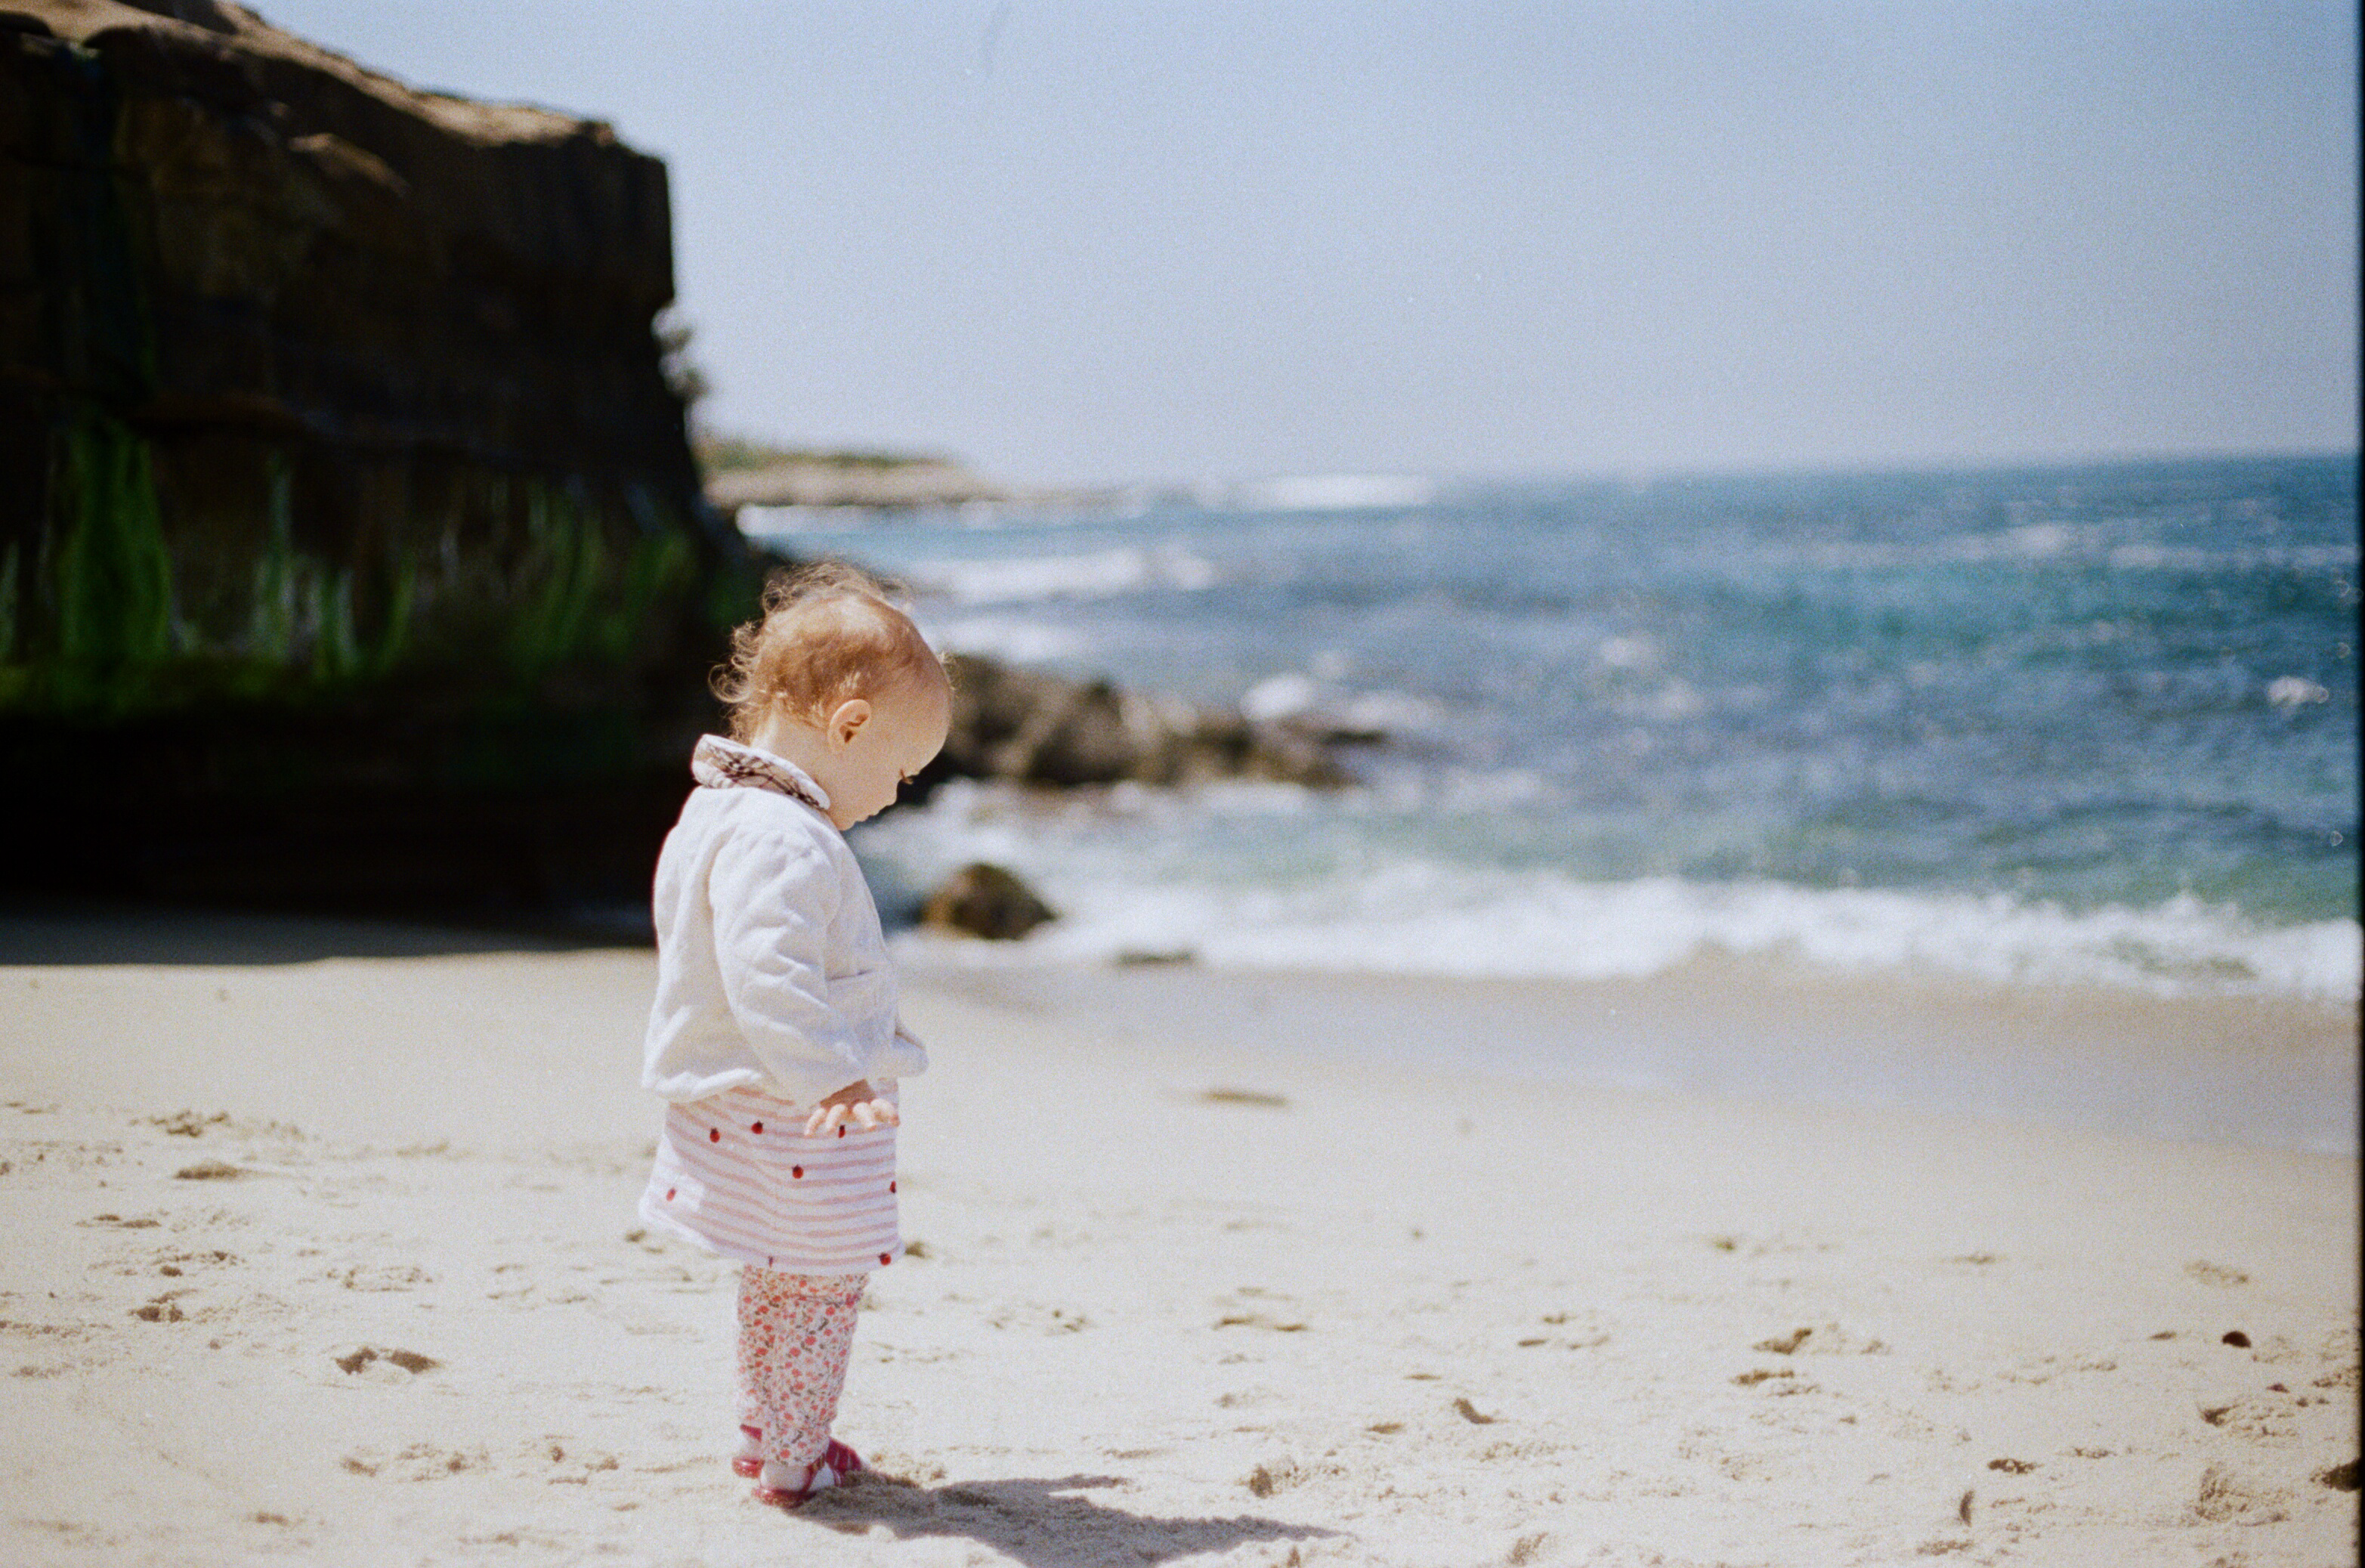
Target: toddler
{"points": [[774, 1032]]}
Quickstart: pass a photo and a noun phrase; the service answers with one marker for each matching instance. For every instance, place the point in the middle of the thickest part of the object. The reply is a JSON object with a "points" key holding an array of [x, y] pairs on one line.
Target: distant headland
{"points": [[741, 472]]}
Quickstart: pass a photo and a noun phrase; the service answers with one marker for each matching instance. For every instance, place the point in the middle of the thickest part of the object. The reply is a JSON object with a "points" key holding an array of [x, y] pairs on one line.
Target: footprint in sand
{"points": [[1585, 1334], [575, 1468], [382, 1276], [1824, 1339], [2042, 1369], [212, 1170], [1274, 1475], [2224, 1497], [1039, 1318], [419, 1462], [384, 1365], [174, 1265], [188, 1124], [2256, 1416]]}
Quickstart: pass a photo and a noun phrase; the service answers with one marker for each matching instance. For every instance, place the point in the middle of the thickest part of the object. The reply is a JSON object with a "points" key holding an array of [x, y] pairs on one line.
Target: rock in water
{"points": [[1033, 727], [985, 901], [340, 475]]}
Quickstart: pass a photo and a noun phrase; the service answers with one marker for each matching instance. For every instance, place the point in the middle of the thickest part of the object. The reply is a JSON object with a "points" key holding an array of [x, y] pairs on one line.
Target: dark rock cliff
{"points": [[351, 546]]}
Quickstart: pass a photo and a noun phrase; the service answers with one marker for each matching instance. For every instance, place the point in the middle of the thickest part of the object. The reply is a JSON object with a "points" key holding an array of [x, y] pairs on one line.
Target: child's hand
{"points": [[856, 1103]]}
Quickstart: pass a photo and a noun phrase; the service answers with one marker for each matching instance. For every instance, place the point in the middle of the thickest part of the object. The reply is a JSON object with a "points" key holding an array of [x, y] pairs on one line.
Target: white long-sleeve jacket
{"points": [[772, 971]]}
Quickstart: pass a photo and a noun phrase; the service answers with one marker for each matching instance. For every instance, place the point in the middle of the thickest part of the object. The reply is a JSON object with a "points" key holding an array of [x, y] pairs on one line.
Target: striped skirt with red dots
{"points": [[737, 1175]]}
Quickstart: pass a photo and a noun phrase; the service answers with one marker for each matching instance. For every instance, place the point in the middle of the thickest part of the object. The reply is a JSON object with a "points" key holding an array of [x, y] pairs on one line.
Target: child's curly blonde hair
{"points": [[830, 633]]}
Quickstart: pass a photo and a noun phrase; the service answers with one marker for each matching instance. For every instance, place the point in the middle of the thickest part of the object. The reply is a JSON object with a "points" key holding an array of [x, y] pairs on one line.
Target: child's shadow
{"points": [[1036, 1522]]}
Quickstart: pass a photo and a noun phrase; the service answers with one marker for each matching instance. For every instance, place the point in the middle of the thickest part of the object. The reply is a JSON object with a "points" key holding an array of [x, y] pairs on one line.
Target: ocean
{"points": [[2087, 725]]}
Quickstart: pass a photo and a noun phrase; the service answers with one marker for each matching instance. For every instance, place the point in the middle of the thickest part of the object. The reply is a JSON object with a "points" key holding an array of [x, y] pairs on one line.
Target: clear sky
{"points": [[1111, 240]]}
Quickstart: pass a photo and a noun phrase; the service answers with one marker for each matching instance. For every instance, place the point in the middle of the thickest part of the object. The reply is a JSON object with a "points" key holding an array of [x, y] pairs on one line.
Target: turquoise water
{"points": [[2094, 724]]}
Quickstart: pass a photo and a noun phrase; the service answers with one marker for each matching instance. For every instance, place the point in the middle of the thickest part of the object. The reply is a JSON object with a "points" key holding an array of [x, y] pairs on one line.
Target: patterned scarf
{"points": [[718, 764]]}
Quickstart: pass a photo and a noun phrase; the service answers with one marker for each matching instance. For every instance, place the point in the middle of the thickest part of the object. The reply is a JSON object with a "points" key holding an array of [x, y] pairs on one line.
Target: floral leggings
{"points": [[796, 1334]]}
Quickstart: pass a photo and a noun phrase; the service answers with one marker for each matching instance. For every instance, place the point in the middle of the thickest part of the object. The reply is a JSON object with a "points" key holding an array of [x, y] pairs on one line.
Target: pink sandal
{"points": [[820, 1476], [842, 1460], [776, 1497]]}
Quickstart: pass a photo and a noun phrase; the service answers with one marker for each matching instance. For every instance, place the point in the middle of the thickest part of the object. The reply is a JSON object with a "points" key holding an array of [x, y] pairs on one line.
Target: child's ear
{"points": [[847, 721]]}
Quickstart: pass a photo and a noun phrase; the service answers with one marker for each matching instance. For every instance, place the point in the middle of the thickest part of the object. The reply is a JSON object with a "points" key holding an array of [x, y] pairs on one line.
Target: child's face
{"points": [[873, 746]]}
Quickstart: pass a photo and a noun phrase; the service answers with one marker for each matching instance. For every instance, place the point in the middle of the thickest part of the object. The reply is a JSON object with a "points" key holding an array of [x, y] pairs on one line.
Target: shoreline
{"points": [[2263, 1070]]}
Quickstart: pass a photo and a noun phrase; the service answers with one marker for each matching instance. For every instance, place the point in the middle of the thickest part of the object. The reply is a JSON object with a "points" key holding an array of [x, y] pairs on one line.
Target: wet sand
{"points": [[335, 1262], [2273, 1071]]}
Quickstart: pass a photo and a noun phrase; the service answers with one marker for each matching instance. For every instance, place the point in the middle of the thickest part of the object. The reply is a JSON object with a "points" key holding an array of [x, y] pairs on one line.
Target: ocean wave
{"points": [[1017, 639], [1423, 918], [1334, 492], [1098, 574], [2053, 543], [1308, 700]]}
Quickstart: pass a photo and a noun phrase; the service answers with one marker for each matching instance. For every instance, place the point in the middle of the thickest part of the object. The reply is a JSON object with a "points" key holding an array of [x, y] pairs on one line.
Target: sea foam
{"points": [[1335, 492], [1101, 574], [1414, 917]]}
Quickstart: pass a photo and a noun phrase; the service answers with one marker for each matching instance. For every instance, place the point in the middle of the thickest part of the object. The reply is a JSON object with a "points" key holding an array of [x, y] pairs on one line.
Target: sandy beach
{"points": [[304, 1268]]}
